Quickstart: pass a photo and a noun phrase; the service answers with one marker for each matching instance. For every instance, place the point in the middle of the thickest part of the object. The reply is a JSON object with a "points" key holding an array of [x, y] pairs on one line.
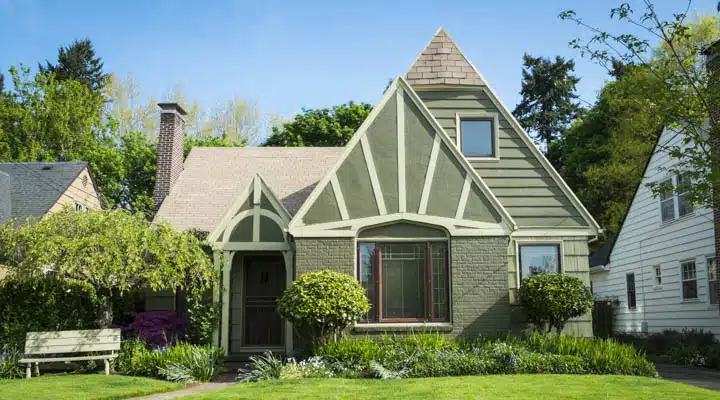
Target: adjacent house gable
{"points": [[518, 174], [401, 165]]}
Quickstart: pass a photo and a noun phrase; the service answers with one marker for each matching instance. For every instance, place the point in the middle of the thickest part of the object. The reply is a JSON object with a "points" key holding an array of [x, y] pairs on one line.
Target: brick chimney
{"points": [[712, 64], [170, 147]]}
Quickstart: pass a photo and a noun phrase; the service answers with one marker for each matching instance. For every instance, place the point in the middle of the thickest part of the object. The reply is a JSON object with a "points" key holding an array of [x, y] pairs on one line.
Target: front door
{"points": [[263, 284]]}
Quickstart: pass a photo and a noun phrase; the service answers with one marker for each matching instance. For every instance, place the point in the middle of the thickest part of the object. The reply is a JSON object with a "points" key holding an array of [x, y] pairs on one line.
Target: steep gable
{"points": [[400, 165], [521, 178]]}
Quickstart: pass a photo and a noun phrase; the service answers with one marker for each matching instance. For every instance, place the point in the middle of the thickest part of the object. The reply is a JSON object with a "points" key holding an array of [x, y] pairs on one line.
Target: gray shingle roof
{"points": [[442, 63], [213, 178], [34, 187]]}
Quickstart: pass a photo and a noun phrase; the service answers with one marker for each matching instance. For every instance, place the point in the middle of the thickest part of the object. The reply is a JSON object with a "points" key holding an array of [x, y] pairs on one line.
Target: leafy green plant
{"points": [[321, 305], [202, 364], [550, 300], [44, 303], [10, 362], [262, 368], [203, 317]]}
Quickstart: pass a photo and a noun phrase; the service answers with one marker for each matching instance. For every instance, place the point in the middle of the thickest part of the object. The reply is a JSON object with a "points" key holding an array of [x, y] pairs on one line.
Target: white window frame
{"points": [[627, 292], [658, 275], [683, 280], [674, 197], [479, 115], [79, 206], [709, 286], [519, 243]]}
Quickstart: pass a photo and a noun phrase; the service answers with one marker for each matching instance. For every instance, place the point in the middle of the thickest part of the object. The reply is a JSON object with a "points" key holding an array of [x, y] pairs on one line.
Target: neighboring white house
{"points": [[658, 267]]}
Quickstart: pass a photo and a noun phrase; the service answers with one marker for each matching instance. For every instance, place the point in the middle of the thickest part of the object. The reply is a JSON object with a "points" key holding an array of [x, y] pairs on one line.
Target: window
{"points": [[673, 200], [630, 286], [405, 282], [658, 275], [80, 207], [477, 135], [539, 259], [689, 280], [712, 280]]}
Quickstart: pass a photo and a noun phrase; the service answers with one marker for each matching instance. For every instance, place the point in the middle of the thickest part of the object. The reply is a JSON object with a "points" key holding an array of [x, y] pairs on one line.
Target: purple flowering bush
{"points": [[158, 328]]}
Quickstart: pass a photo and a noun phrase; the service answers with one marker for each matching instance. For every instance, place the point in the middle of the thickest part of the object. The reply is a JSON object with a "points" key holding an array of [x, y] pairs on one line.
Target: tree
{"points": [[321, 127], [548, 99], [114, 251], [78, 62]]}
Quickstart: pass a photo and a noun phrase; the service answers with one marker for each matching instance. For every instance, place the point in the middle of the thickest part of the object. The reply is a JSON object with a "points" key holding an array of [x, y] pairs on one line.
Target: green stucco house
{"points": [[439, 205]]}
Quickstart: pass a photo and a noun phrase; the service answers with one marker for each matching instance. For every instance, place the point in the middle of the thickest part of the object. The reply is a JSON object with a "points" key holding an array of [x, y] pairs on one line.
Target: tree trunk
{"points": [[105, 313]]}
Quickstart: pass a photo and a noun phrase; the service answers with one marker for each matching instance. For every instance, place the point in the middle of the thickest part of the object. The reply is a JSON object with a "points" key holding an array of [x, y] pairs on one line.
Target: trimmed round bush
{"points": [[550, 300], [321, 305]]}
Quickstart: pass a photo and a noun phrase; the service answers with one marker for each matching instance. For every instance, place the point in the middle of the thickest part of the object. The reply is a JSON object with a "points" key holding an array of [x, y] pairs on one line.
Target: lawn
{"points": [[470, 387], [85, 387]]}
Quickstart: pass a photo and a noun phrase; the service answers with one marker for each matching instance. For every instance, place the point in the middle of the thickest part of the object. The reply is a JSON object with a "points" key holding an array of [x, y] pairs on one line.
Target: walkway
{"points": [[701, 377], [203, 387]]}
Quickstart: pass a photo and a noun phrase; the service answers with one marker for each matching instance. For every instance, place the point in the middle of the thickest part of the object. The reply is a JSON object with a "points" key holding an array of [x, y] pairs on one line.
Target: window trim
{"points": [[658, 268], [707, 258], [675, 198], [79, 207], [428, 318], [479, 115], [682, 281], [518, 264]]}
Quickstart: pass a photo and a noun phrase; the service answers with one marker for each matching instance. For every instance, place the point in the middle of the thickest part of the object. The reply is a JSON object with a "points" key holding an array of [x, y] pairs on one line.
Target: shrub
{"points": [[45, 303], [694, 347], [10, 362], [202, 364], [158, 328], [550, 300], [321, 305], [262, 368], [138, 359], [203, 318]]}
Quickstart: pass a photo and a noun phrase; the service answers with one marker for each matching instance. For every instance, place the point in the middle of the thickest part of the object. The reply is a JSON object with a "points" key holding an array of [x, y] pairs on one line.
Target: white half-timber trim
{"points": [[225, 339], [339, 198], [400, 101], [429, 175], [463, 197], [373, 175]]}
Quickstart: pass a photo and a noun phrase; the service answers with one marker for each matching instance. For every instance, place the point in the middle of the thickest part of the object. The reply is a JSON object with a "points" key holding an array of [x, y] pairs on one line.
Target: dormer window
{"points": [[477, 135]]}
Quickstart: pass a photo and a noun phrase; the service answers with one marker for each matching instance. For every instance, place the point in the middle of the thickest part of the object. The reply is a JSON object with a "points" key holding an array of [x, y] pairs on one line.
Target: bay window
{"points": [[405, 282]]}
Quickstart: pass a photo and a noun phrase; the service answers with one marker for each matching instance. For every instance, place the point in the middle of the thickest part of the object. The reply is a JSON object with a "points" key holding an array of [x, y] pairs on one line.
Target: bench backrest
{"points": [[72, 341]]}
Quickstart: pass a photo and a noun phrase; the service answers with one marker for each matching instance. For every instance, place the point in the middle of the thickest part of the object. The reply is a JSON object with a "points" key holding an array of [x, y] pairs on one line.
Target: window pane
{"points": [[684, 206], [367, 276], [403, 281], [477, 138], [690, 290], [712, 280], [712, 269], [667, 209], [439, 281], [667, 193], [689, 277], [630, 284], [539, 259], [683, 183], [658, 275]]}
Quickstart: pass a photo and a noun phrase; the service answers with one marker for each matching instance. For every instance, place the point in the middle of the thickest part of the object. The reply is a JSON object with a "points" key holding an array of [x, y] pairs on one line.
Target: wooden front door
{"points": [[263, 284]]}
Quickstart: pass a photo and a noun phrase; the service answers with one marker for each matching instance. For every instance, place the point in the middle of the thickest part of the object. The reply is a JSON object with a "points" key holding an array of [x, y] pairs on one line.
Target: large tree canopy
{"points": [[78, 62], [321, 127]]}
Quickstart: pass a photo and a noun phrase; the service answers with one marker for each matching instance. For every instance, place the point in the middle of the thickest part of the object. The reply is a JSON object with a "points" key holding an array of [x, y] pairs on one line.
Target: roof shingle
{"points": [[442, 63]]}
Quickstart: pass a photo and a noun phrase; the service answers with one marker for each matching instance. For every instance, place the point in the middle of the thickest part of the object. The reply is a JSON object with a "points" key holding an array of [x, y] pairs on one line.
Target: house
{"points": [[34, 189], [439, 205]]}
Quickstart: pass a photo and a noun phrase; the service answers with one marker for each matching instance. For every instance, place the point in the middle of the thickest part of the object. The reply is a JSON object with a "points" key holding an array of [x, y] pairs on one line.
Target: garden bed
{"points": [[86, 387]]}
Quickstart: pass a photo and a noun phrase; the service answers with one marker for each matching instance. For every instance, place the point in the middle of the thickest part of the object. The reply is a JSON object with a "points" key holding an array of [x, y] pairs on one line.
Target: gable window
{"points": [[478, 135], [674, 203], [689, 280], [405, 282], [539, 259], [630, 286], [712, 280], [80, 206], [658, 275]]}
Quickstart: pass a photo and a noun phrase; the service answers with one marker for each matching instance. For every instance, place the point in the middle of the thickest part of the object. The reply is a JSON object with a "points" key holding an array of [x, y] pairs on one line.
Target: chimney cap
{"points": [[172, 107]]}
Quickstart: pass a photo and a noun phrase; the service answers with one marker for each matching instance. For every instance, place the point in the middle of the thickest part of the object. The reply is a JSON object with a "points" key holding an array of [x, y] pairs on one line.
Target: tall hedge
{"points": [[45, 303]]}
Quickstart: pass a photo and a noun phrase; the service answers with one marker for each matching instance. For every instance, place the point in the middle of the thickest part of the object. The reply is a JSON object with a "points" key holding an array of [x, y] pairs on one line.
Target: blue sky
{"points": [[288, 55]]}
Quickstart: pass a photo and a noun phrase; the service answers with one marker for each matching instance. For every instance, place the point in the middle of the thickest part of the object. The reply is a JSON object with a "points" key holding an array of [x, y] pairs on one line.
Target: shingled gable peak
{"points": [[442, 63]]}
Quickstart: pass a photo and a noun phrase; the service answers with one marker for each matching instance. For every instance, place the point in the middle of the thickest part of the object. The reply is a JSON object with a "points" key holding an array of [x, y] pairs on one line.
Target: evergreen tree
{"points": [[78, 62]]}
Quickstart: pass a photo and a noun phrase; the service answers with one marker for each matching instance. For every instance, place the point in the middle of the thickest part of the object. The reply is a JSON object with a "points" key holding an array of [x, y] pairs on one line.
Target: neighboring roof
{"points": [[36, 186], [213, 177], [442, 63], [601, 257]]}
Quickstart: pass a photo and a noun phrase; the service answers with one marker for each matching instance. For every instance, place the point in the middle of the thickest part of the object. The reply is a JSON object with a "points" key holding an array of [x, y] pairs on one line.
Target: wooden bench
{"points": [[65, 346]]}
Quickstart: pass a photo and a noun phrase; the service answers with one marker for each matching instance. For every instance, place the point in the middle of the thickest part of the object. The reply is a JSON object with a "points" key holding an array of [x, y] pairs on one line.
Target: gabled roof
{"points": [[36, 186], [442, 63], [213, 178]]}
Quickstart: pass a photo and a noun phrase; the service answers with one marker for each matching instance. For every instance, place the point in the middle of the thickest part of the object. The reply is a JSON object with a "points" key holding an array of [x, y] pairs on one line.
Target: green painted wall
{"points": [[478, 207], [518, 179], [325, 208], [243, 231], [447, 185], [266, 205], [402, 230], [354, 180], [419, 139], [382, 137], [270, 231]]}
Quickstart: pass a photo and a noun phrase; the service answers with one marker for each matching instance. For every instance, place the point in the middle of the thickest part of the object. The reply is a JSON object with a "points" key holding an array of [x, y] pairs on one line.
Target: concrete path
{"points": [[203, 387], [701, 377]]}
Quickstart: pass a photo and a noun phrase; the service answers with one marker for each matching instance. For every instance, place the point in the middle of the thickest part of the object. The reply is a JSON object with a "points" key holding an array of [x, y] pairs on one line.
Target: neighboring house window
{"points": [[673, 201], [539, 259], [405, 282], [712, 280], [658, 275], [80, 207], [689, 280], [630, 285]]}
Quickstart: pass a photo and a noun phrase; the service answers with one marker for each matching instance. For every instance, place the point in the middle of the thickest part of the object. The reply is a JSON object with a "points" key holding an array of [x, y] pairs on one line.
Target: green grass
{"points": [[85, 387], [469, 387]]}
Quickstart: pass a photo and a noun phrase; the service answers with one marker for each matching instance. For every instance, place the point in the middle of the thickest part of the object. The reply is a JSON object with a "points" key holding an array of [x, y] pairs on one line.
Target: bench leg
{"points": [[37, 369], [107, 367], [28, 371]]}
